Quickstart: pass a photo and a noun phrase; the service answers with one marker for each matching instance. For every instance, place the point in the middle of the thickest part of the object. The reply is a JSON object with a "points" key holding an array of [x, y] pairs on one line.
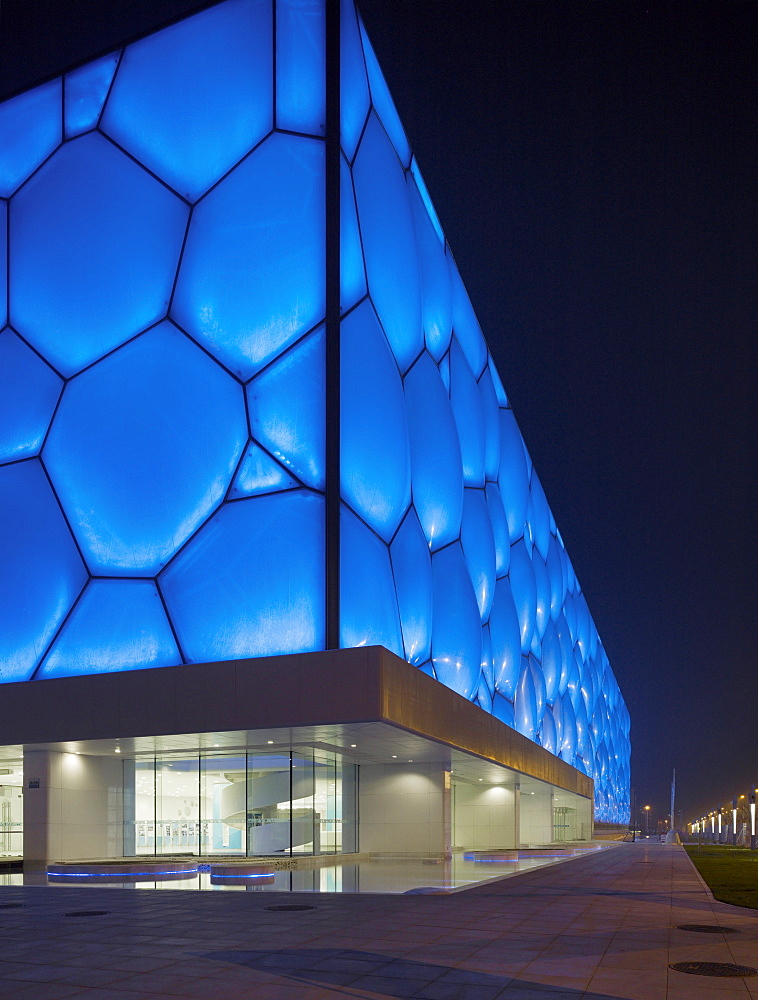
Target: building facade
{"points": [[247, 418]]}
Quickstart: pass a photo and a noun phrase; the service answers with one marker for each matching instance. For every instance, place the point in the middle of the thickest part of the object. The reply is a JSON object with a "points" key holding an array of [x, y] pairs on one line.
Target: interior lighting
{"points": [[117, 750], [353, 745], [269, 741]]}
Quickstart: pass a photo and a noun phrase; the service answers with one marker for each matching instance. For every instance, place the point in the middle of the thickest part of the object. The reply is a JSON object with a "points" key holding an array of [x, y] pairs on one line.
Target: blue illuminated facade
{"points": [[166, 396]]}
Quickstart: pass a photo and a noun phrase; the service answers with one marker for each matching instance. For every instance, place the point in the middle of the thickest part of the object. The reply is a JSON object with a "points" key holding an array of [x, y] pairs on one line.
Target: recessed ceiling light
{"points": [[269, 741], [353, 745], [394, 756], [117, 750]]}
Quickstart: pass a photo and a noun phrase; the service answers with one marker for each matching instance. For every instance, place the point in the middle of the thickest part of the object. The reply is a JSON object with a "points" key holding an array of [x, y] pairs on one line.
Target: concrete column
{"points": [[518, 840], [73, 807]]}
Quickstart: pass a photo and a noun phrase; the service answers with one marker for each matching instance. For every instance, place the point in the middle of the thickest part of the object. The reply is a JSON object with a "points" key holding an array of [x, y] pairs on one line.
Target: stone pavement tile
{"points": [[459, 991], [37, 991], [639, 987], [571, 982], [88, 977], [386, 986], [531, 991], [156, 982], [685, 987]]}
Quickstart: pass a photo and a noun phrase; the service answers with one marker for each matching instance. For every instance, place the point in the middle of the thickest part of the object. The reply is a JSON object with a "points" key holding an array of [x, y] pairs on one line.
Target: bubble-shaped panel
{"points": [[436, 469], [479, 548], [29, 391], [85, 90], [352, 271], [506, 639], [426, 198], [469, 416], [375, 456], [499, 529], [116, 625], [412, 570], [465, 324], [260, 473], [368, 602], [354, 95], [389, 243], [491, 426], [251, 582], [142, 449], [540, 518], [190, 100], [106, 236], [487, 663], [301, 66], [286, 406], [524, 589], [436, 294], [252, 276], [383, 104], [525, 703], [3, 263], [41, 573], [513, 479], [30, 129], [456, 629]]}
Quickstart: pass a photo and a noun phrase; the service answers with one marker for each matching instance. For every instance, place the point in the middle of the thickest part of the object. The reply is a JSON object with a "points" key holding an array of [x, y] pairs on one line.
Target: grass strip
{"points": [[731, 873]]}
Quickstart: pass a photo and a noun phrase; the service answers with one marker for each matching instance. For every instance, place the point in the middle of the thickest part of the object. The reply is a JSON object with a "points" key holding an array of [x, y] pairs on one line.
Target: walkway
{"points": [[601, 927]]}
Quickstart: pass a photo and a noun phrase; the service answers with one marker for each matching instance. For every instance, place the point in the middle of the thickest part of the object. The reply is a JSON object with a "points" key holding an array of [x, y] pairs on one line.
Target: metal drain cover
{"points": [[290, 906], [720, 969], [87, 913], [707, 929]]}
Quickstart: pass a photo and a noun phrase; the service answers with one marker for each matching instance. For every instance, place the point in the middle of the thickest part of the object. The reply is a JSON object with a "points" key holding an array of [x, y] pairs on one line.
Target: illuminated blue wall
{"points": [[163, 382]]}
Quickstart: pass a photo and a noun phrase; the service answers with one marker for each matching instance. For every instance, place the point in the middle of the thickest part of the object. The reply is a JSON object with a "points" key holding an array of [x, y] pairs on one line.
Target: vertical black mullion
{"points": [[332, 196]]}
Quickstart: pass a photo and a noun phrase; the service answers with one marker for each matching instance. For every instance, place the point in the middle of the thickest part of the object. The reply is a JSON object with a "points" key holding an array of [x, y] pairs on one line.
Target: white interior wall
{"points": [[404, 809], [536, 814], [484, 816], [73, 807]]}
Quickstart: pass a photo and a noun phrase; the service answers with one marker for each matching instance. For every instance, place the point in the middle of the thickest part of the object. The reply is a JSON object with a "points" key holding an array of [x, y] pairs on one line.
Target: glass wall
{"points": [[11, 809], [263, 804]]}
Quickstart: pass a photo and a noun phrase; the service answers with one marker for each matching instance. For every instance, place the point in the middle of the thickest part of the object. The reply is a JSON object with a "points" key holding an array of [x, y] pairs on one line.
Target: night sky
{"points": [[594, 168]]}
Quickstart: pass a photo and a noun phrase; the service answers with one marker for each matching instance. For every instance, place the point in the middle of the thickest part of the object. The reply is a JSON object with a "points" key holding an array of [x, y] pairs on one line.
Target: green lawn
{"points": [[731, 872]]}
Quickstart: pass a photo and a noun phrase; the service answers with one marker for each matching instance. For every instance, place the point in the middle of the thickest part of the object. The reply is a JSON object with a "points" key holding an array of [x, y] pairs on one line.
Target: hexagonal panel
{"points": [[375, 468], [436, 468], [41, 573], [252, 275], [189, 101], [142, 449], [368, 601], [29, 391], [95, 242], [116, 625], [412, 570], [30, 129], [389, 243], [251, 583], [286, 407], [84, 93], [301, 66], [456, 630]]}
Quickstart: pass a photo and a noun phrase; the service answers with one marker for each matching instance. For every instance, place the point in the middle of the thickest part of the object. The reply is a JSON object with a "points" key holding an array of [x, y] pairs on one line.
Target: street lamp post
{"points": [[647, 821], [752, 821], [734, 821]]}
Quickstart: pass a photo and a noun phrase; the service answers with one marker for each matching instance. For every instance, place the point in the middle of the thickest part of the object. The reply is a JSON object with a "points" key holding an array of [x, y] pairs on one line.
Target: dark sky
{"points": [[594, 168]]}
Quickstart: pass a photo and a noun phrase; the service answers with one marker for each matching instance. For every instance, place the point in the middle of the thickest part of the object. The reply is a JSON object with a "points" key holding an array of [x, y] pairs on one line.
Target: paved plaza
{"points": [[599, 927]]}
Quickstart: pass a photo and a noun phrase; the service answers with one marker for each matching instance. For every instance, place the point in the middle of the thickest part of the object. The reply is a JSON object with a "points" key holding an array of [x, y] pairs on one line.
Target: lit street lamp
{"points": [[647, 821]]}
